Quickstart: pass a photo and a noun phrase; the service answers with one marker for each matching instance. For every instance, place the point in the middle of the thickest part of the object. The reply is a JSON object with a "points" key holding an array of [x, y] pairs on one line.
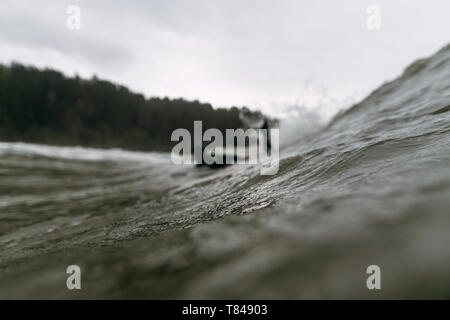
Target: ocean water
{"points": [[370, 187]]}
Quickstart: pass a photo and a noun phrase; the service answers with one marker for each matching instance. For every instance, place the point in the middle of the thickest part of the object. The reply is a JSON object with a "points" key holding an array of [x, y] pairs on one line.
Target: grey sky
{"points": [[263, 54]]}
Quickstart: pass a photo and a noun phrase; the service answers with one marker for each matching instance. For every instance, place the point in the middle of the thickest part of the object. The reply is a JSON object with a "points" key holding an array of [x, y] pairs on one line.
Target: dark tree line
{"points": [[44, 106]]}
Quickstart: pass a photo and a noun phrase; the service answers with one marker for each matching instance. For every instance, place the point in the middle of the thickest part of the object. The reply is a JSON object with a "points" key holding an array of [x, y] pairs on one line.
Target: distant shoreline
{"points": [[46, 107]]}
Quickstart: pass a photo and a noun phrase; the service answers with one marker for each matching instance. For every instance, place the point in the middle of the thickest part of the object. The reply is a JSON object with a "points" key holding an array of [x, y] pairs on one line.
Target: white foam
{"points": [[82, 153]]}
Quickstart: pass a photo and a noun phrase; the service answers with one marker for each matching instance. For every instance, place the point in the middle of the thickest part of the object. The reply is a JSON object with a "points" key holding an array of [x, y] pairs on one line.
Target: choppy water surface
{"points": [[372, 187]]}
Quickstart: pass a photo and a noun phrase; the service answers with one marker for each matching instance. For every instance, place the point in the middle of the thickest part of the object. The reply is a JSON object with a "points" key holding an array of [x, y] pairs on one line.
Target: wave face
{"points": [[371, 187]]}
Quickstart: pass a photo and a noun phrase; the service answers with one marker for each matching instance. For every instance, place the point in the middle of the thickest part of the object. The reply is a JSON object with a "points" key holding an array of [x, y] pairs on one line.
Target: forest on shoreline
{"points": [[45, 106]]}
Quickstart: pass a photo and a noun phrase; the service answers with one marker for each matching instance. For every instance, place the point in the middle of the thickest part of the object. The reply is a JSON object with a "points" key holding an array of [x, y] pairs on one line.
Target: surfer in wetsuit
{"points": [[214, 165]]}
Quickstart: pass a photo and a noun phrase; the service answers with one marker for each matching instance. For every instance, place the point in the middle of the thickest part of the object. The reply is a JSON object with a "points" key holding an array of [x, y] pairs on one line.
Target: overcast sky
{"points": [[263, 54]]}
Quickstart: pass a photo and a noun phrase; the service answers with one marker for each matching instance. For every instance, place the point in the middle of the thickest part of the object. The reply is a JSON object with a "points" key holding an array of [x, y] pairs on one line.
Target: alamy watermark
{"points": [[262, 147], [73, 282], [374, 280], [373, 21], [73, 21]]}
